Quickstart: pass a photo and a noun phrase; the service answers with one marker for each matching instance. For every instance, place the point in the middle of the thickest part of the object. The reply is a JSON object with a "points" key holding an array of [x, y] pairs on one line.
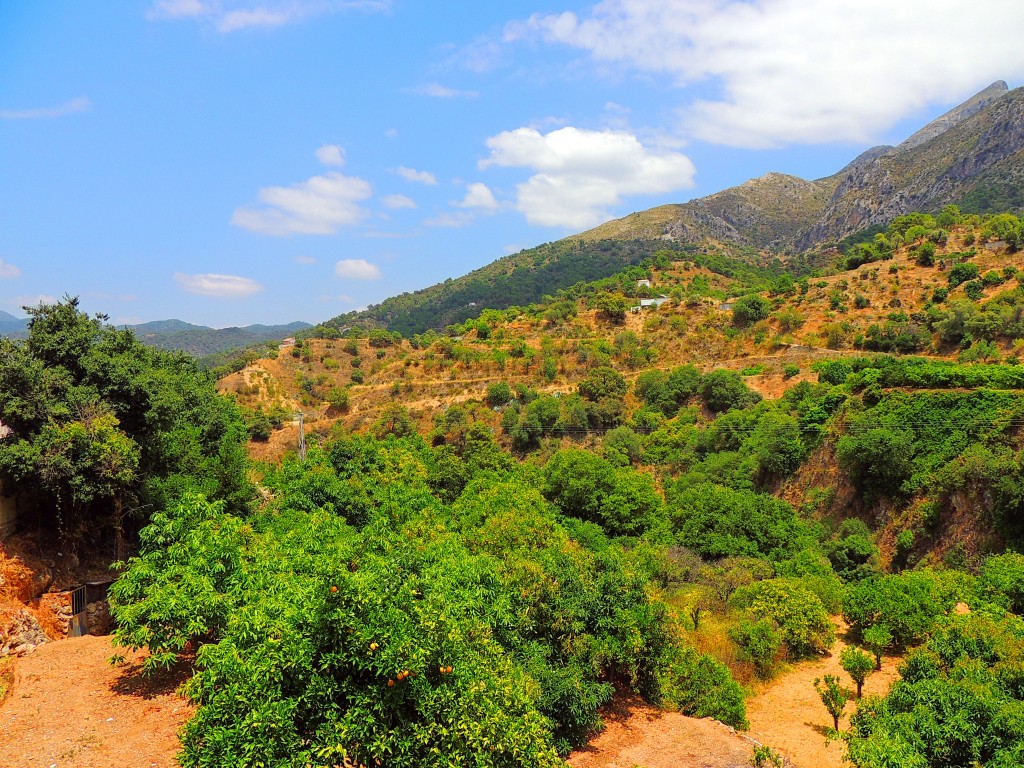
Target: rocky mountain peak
{"points": [[957, 115]]}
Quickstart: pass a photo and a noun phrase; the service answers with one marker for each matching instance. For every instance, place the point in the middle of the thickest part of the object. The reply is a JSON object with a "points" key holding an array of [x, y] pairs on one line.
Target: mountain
{"points": [[199, 340], [11, 325], [177, 335], [972, 156], [516, 280]]}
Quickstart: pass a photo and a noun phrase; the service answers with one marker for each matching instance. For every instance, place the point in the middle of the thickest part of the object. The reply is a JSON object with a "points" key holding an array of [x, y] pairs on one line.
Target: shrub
{"points": [[721, 390], [961, 273], [760, 643], [906, 604], [698, 685], [498, 393], [747, 310], [802, 619]]}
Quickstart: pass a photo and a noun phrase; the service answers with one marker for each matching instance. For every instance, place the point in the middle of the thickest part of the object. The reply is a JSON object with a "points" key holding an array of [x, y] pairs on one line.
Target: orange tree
{"points": [[476, 633]]}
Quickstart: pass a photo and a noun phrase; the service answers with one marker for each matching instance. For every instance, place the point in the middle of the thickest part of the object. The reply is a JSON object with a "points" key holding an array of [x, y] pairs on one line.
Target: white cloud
{"points": [[307, 260], [72, 107], [391, 133], [176, 9], [581, 174], [33, 301], [220, 286], [479, 196], [418, 177], [232, 15], [320, 205], [331, 154], [357, 269], [789, 71], [397, 202], [451, 220], [8, 271], [439, 91]]}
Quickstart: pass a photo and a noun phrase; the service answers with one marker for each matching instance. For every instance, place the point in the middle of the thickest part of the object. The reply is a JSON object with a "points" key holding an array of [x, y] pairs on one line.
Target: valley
{"points": [[671, 491]]}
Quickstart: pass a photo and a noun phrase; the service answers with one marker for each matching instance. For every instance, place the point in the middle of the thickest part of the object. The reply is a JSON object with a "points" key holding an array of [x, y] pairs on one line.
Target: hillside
{"points": [[973, 157], [516, 280]]}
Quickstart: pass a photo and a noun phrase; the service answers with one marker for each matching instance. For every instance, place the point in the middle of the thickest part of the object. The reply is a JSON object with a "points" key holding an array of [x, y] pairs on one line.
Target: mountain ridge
{"points": [[971, 156]]}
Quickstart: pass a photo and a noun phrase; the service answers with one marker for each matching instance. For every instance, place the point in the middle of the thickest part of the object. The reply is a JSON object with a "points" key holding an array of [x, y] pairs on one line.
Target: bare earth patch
{"points": [[637, 734], [69, 707]]}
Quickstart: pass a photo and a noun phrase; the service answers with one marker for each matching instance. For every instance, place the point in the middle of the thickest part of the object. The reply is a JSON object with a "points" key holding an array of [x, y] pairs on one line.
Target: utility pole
{"points": [[302, 440]]}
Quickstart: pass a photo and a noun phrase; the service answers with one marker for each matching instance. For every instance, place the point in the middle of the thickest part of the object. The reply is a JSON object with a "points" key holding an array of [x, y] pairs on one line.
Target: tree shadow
{"points": [[822, 730], [132, 681]]}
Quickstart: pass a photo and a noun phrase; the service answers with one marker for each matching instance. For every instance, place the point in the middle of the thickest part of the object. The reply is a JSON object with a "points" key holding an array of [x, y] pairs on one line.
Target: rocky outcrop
{"points": [[971, 156], [20, 633]]}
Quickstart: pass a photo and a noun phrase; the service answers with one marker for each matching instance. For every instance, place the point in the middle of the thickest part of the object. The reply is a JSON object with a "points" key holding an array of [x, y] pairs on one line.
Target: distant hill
{"points": [[199, 340], [972, 156], [11, 325], [517, 280], [196, 340]]}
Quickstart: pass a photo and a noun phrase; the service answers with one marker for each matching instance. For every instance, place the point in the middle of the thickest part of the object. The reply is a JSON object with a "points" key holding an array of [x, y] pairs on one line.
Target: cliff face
{"points": [[972, 156], [976, 147]]}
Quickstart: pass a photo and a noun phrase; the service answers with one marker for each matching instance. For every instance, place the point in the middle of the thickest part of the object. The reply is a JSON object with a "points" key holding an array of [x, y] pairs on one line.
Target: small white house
{"points": [[644, 283], [645, 303]]}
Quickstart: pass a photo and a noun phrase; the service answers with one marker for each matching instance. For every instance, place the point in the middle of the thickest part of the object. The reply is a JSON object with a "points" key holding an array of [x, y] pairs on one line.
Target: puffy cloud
{"points": [[418, 177], [789, 71], [72, 107], [580, 174], [331, 154], [397, 202], [357, 269], [219, 286], [479, 196], [232, 15], [439, 91], [8, 271], [320, 205]]}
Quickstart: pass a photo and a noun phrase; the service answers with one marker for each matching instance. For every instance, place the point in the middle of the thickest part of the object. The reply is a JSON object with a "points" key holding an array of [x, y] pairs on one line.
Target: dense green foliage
{"points": [[103, 425], [362, 615], [959, 702], [517, 280]]}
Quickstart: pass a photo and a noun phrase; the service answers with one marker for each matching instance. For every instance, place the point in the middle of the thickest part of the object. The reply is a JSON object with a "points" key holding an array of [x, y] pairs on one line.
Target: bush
{"points": [[715, 521], [803, 621], [585, 486], [699, 686], [721, 390], [498, 393], [961, 273], [833, 372], [907, 605], [747, 310], [760, 643]]}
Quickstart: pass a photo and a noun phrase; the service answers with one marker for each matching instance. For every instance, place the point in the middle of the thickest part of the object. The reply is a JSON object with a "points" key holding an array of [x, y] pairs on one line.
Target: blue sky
{"points": [[229, 162]]}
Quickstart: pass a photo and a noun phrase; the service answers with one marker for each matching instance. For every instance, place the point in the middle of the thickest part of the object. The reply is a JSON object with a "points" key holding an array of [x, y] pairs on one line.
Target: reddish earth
{"points": [[637, 734], [789, 717], [69, 707]]}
